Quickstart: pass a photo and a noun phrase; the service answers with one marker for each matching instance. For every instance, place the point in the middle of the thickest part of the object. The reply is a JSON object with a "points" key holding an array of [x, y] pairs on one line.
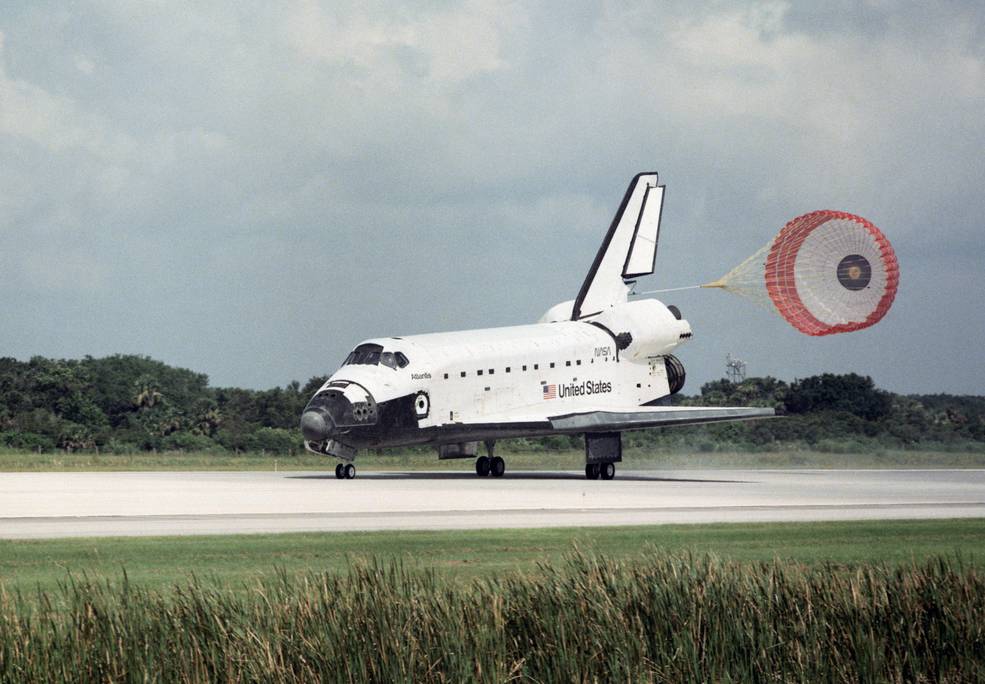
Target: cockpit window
{"points": [[394, 360], [365, 355], [373, 355]]}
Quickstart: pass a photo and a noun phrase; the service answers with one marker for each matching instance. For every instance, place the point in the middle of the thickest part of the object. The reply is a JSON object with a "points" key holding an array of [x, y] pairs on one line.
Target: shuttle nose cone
{"points": [[313, 426]]}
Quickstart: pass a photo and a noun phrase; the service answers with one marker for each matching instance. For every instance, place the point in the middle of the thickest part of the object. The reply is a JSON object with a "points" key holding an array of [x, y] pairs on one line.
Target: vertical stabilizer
{"points": [[628, 251]]}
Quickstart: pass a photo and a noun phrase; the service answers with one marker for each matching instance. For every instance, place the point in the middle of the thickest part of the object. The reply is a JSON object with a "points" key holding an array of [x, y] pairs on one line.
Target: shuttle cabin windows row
{"points": [[373, 355], [524, 368]]}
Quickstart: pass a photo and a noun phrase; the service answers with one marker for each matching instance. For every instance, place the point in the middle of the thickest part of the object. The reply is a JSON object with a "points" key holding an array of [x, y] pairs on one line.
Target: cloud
{"points": [[283, 180], [84, 64], [28, 111], [447, 45]]}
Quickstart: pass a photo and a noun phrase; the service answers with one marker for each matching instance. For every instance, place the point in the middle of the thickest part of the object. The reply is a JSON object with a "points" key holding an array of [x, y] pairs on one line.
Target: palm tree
{"points": [[148, 395]]}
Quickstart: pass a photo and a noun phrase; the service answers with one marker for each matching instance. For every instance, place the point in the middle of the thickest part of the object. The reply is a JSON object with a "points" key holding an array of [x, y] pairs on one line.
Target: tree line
{"points": [[127, 403], [840, 413], [134, 403]]}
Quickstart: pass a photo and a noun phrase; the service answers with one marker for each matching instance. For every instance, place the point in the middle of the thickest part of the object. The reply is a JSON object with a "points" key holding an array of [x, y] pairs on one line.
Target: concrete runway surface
{"points": [[46, 505]]}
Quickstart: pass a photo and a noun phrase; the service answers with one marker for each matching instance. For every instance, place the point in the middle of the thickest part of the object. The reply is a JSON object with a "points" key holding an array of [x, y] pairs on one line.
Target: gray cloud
{"points": [[249, 190]]}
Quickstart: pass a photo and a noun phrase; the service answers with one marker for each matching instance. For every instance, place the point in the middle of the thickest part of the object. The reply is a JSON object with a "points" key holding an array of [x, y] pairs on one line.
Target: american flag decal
{"points": [[550, 391]]}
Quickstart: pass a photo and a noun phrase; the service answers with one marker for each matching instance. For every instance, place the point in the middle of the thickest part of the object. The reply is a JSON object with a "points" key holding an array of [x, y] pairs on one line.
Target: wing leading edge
{"points": [[645, 417], [631, 418]]}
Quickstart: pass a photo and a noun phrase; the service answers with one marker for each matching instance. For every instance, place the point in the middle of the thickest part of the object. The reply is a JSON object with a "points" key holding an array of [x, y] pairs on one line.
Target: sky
{"points": [[248, 189]]}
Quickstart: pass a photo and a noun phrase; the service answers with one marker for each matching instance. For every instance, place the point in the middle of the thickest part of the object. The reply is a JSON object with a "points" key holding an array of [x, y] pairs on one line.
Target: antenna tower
{"points": [[735, 369]]}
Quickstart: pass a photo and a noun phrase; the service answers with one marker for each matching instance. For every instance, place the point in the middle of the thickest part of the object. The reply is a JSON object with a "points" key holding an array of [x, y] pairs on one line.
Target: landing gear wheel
{"points": [[592, 471], [608, 471], [338, 471], [497, 466], [482, 466], [349, 471]]}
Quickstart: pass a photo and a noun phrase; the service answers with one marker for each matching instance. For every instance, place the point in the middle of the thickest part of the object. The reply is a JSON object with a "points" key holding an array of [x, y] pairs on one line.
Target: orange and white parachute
{"points": [[825, 272]]}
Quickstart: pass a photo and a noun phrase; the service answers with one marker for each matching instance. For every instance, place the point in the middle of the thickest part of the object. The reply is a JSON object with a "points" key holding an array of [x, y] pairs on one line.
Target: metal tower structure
{"points": [[735, 369]]}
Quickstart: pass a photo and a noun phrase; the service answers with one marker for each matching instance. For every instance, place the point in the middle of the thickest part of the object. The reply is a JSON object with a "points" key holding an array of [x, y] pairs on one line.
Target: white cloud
{"points": [[84, 64], [231, 155], [453, 43], [30, 112]]}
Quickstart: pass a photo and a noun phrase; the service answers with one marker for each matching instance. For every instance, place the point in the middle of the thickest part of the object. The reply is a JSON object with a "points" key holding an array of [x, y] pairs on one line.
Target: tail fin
{"points": [[629, 249]]}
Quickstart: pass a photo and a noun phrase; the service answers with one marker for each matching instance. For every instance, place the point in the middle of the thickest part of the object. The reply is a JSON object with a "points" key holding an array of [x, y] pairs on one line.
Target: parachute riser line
{"points": [[669, 289]]}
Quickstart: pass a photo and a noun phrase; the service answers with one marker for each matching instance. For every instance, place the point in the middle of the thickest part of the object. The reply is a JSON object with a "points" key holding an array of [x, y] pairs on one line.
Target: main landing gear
{"points": [[605, 471], [490, 465], [494, 466], [602, 451], [345, 471]]}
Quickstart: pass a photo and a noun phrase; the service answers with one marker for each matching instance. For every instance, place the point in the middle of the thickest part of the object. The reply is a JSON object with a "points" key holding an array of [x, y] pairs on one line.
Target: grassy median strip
{"points": [[426, 460], [236, 561]]}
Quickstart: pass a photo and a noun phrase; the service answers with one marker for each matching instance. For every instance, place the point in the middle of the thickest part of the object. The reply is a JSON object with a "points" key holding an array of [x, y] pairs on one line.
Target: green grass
{"points": [[461, 556], [833, 601], [676, 618], [634, 458]]}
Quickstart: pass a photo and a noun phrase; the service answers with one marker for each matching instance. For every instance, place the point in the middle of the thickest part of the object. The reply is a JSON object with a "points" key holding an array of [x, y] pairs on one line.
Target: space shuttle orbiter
{"points": [[596, 365]]}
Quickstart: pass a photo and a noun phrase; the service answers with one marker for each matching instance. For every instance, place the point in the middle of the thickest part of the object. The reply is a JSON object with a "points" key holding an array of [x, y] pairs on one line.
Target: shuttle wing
{"points": [[629, 249], [611, 419], [614, 420]]}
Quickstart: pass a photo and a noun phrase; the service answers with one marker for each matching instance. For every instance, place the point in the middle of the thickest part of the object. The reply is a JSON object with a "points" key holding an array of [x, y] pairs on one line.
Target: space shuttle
{"points": [[597, 365]]}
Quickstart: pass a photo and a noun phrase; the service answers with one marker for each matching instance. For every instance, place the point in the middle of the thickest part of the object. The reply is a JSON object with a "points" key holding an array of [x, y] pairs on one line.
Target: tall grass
{"points": [[590, 619]]}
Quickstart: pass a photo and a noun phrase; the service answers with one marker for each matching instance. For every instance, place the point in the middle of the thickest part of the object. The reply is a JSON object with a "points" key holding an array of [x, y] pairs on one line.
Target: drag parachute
{"points": [[825, 272]]}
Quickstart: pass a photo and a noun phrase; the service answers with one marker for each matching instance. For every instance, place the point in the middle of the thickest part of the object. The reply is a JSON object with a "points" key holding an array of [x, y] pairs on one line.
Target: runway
{"points": [[50, 505]]}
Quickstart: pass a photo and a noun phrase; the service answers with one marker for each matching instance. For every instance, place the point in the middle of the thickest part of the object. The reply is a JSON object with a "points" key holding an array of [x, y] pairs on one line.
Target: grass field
{"points": [[19, 461], [833, 601], [675, 618], [461, 556]]}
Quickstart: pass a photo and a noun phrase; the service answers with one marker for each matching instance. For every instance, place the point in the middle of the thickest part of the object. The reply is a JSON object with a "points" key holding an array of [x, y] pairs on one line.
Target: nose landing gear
{"points": [[345, 471]]}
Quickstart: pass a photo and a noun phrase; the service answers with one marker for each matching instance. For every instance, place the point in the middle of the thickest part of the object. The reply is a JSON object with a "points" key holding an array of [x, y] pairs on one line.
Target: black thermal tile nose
{"points": [[313, 426]]}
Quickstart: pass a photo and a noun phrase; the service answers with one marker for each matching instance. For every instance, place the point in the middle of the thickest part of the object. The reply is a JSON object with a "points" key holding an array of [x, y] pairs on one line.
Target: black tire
{"points": [[349, 470], [338, 471], [592, 471], [608, 471], [482, 466], [497, 466]]}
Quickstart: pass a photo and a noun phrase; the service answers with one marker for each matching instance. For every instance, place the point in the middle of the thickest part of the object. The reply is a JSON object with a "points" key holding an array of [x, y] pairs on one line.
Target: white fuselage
{"points": [[520, 373]]}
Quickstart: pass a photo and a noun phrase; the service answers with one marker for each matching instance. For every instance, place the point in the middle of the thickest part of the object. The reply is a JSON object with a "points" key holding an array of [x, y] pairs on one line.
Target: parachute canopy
{"points": [[825, 272]]}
